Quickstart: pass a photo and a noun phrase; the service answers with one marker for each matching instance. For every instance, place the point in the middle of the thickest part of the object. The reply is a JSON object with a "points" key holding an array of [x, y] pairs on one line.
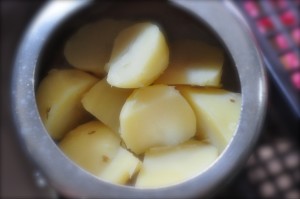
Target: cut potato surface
{"points": [[92, 146], [166, 166], [105, 103], [59, 100], [156, 116], [140, 54], [90, 47], [193, 62], [217, 112], [95, 148], [121, 168]]}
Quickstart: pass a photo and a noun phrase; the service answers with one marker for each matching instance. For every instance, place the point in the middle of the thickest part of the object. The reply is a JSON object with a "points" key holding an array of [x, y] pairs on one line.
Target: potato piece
{"points": [[156, 116], [193, 63], [123, 166], [166, 166], [92, 146], [58, 99], [90, 47], [105, 103], [217, 112], [97, 149], [140, 54]]}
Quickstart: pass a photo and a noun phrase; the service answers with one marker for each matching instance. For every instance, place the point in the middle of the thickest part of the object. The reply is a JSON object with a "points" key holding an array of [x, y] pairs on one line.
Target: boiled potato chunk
{"points": [[90, 47], [122, 167], [156, 116], [59, 100], [105, 103], [92, 146], [217, 112], [96, 148], [166, 166], [193, 62], [140, 54]]}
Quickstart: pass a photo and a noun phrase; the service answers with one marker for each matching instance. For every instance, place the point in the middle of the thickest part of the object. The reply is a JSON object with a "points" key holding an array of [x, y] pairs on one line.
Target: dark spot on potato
{"points": [[47, 112], [105, 158], [232, 100], [92, 132]]}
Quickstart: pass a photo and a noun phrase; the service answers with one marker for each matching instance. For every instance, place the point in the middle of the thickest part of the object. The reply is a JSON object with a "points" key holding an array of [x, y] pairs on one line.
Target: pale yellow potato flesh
{"points": [[217, 112], [156, 116], [166, 166], [140, 54], [92, 146], [193, 62], [90, 47], [58, 99], [105, 103], [96, 148], [122, 168]]}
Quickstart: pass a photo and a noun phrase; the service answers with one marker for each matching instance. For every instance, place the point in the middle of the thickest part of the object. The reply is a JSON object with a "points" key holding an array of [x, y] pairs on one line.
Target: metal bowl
{"points": [[243, 71]]}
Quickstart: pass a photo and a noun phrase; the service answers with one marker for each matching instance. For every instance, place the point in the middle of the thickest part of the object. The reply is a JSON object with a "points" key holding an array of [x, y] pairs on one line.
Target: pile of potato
{"points": [[135, 109]]}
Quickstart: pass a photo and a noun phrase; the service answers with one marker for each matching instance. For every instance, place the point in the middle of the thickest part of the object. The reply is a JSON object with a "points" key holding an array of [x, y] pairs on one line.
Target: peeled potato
{"points": [[97, 149], [123, 166], [105, 103], [91, 145], [193, 62], [166, 166], [217, 112], [156, 116], [59, 100], [90, 47], [140, 54]]}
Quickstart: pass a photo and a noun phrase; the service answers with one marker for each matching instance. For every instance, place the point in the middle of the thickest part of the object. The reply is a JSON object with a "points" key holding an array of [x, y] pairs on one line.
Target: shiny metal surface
{"points": [[69, 179]]}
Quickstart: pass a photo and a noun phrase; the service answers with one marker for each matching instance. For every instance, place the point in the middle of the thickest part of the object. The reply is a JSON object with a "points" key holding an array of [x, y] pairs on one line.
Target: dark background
{"points": [[273, 171], [16, 172]]}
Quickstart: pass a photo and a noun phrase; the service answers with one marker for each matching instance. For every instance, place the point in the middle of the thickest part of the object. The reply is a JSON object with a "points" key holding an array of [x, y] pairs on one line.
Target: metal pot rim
{"points": [[68, 178]]}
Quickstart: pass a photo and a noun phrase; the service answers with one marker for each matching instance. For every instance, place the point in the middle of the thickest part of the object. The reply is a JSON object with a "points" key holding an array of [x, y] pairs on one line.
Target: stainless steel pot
{"points": [[51, 26]]}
